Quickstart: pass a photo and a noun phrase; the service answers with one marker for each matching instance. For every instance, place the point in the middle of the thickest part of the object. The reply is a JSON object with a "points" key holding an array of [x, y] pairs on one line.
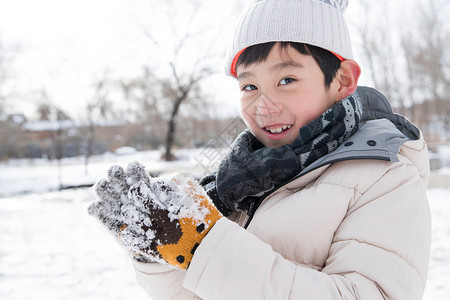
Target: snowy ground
{"points": [[50, 248]]}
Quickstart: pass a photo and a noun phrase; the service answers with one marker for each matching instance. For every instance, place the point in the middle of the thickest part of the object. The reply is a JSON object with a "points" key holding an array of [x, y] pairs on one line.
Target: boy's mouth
{"points": [[279, 129]]}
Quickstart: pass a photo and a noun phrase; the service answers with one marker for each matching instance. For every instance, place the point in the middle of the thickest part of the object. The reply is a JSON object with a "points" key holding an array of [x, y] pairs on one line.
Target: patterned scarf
{"points": [[251, 171]]}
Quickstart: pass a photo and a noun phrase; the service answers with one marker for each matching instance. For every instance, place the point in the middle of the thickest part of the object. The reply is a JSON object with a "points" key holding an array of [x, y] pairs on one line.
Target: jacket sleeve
{"points": [[162, 281], [380, 251]]}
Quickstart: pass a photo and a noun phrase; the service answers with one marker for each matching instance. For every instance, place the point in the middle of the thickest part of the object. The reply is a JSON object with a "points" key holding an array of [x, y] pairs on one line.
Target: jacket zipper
{"points": [[250, 213]]}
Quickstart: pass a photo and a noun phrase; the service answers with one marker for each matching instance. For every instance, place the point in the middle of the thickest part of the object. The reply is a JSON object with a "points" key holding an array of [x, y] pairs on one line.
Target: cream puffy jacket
{"points": [[354, 225]]}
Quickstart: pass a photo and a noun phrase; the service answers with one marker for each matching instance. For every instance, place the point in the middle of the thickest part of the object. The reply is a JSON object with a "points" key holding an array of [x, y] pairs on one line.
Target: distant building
{"points": [[52, 139]]}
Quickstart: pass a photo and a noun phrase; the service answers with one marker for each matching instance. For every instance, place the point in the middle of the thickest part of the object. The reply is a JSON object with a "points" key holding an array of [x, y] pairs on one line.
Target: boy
{"points": [[323, 197]]}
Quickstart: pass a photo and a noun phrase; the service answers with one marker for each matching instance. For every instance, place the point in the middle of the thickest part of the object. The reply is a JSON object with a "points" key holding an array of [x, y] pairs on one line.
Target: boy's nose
{"points": [[266, 106]]}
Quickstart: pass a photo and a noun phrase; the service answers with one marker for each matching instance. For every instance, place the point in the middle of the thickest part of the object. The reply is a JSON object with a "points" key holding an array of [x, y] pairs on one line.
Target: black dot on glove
{"points": [[180, 259], [200, 228]]}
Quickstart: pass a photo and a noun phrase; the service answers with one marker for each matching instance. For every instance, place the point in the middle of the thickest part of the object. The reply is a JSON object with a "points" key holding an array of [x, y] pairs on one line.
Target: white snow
{"points": [[40, 175], [125, 150], [439, 269], [50, 248]]}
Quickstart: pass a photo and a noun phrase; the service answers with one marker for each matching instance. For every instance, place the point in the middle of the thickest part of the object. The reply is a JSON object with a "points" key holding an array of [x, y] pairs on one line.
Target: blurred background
{"points": [[87, 77], [88, 83]]}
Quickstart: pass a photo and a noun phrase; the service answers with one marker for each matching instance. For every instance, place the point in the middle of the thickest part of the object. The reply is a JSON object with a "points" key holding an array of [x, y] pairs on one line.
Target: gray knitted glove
{"points": [[112, 195]]}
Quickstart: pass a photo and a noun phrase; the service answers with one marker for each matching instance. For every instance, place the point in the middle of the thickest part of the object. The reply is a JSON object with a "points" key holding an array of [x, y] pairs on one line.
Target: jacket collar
{"points": [[380, 136], [376, 106]]}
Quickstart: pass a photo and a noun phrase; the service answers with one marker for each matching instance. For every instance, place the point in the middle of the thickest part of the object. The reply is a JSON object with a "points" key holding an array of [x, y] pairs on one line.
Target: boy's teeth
{"points": [[279, 129]]}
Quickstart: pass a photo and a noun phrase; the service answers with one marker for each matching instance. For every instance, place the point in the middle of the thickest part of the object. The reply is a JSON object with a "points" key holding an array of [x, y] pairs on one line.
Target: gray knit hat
{"points": [[314, 22]]}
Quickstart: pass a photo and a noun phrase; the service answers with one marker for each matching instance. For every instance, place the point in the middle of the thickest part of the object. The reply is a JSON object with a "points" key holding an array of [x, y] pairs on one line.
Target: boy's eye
{"points": [[286, 80], [249, 87]]}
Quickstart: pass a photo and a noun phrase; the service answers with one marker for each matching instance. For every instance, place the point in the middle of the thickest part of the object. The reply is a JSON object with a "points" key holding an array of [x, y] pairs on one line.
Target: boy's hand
{"points": [[112, 194], [167, 220]]}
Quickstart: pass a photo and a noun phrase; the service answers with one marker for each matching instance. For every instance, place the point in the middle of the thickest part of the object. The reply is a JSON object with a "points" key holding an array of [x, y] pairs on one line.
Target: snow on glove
{"points": [[112, 193], [167, 220]]}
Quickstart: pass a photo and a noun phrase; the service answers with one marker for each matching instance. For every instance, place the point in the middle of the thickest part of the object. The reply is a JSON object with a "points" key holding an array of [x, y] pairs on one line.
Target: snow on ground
{"points": [[439, 269], [40, 175], [50, 248]]}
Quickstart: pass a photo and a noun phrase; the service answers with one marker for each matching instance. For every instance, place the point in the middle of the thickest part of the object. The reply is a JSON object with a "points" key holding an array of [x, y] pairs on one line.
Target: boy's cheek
{"points": [[247, 115], [249, 124]]}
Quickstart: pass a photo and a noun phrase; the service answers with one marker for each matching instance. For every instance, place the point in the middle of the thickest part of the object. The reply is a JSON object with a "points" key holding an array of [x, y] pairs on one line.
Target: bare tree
{"points": [[179, 92], [410, 64], [8, 128], [179, 83], [44, 111], [57, 125], [97, 109], [432, 60], [8, 54], [380, 51], [425, 46], [3, 74], [144, 109], [10, 131], [142, 94]]}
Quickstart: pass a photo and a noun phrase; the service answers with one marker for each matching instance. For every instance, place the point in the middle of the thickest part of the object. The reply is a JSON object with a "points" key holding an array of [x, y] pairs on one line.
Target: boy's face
{"points": [[282, 94]]}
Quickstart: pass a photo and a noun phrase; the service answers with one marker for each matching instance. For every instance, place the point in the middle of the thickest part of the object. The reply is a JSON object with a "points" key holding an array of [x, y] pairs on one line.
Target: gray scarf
{"points": [[251, 171]]}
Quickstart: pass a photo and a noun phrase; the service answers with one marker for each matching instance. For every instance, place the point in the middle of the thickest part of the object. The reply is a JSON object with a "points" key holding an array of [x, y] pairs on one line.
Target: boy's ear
{"points": [[347, 77]]}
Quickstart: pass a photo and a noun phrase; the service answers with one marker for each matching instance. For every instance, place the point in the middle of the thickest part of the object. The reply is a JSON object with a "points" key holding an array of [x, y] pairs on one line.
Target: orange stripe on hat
{"points": [[338, 56], [233, 64]]}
